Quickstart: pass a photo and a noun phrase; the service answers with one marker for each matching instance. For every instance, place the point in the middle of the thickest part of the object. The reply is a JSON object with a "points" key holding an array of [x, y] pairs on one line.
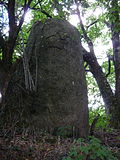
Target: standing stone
{"points": [[54, 71]]}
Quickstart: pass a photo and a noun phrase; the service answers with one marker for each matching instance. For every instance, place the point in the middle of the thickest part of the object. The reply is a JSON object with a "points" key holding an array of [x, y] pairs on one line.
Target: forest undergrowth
{"points": [[28, 144]]}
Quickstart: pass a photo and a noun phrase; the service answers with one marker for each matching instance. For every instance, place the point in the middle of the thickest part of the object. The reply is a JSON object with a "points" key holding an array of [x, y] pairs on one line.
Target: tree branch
{"points": [[85, 67], [88, 40], [14, 29], [23, 16], [12, 20], [40, 9], [92, 23], [37, 3], [109, 65], [7, 57], [100, 78], [25, 3], [92, 127], [107, 24], [44, 12], [2, 43], [3, 3]]}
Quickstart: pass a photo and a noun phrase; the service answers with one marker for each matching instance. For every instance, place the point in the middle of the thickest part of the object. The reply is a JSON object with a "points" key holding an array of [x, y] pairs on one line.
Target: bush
{"points": [[103, 121], [92, 150]]}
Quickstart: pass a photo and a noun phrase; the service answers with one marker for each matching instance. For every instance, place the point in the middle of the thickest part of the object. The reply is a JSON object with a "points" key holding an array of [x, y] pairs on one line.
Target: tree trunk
{"points": [[7, 46], [111, 102], [115, 29]]}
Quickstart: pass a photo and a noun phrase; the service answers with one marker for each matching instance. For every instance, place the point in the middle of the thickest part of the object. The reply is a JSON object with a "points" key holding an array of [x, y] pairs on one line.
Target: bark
{"points": [[2, 43], [8, 46], [13, 31], [111, 101], [101, 79], [7, 57], [115, 28], [96, 69]]}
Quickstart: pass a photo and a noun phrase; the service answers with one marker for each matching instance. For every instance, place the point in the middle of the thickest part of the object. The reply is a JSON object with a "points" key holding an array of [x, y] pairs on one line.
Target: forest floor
{"points": [[48, 147]]}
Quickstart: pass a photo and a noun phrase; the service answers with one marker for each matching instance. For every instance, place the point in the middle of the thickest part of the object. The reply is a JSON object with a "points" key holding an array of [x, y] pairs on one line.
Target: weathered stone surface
{"points": [[55, 62]]}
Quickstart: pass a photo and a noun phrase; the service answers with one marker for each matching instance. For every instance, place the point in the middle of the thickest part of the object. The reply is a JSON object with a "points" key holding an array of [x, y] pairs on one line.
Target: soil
{"points": [[48, 147]]}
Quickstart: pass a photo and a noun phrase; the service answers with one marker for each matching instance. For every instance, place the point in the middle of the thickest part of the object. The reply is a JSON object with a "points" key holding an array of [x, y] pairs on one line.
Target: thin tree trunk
{"points": [[115, 28], [110, 99], [9, 45], [101, 79]]}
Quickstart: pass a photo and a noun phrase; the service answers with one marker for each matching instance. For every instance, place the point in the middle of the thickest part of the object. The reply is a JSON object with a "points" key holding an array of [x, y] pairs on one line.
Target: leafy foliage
{"points": [[65, 131], [95, 100], [103, 121], [92, 149]]}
